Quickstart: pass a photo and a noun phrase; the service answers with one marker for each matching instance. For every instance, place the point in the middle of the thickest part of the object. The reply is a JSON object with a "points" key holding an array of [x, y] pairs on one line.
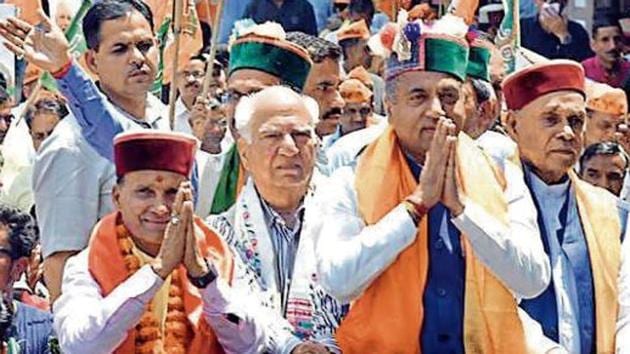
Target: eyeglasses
{"points": [[233, 96], [194, 74], [363, 111]]}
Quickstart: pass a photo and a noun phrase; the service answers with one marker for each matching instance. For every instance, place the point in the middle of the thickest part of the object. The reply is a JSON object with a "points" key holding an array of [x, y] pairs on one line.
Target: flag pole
{"points": [[213, 50], [177, 30]]}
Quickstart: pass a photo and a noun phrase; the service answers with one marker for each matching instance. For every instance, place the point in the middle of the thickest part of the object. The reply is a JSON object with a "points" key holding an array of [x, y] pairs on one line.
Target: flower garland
{"points": [[177, 331]]}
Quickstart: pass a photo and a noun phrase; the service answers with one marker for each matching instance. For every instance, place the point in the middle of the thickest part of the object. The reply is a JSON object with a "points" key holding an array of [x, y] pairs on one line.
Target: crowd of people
{"points": [[353, 181]]}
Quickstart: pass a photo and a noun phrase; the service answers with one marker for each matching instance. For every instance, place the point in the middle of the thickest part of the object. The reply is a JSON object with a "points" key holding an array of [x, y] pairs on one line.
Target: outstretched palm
{"points": [[44, 45]]}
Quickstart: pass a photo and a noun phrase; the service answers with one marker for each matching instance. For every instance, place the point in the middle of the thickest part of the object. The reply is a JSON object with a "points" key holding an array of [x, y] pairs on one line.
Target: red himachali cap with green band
{"points": [[285, 60]]}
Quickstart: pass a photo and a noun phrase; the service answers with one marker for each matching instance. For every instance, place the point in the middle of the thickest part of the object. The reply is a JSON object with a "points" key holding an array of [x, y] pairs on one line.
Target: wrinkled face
{"points": [[608, 44], [145, 199], [42, 126], [63, 16], [606, 171], [420, 99], [549, 131], [191, 80], [600, 127], [126, 58], [355, 116], [281, 154], [241, 83], [10, 269], [5, 121], [323, 85]]}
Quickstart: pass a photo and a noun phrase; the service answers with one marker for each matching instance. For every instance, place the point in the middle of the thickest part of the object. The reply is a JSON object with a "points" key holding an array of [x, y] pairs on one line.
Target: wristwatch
{"points": [[203, 281]]}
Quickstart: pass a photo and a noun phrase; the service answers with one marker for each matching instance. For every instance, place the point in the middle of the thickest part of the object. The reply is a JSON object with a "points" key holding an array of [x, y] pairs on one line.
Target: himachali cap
{"points": [[604, 98], [414, 46], [354, 91], [265, 48], [154, 150], [358, 30], [361, 74], [530, 83], [478, 59]]}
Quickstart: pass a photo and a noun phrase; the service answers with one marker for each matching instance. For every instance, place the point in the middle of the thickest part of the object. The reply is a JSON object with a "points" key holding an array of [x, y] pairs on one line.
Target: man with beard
{"points": [[72, 180], [579, 223], [608, 65], [401, 242]]}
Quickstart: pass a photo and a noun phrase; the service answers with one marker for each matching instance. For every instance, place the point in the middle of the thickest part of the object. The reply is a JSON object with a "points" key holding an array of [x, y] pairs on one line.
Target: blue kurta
{"points": [[566, 309], [443, 299], [32, 328]]}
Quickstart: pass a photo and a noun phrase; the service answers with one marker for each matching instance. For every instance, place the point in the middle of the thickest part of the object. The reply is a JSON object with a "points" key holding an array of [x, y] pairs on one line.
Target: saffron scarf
{"points": [[602, 229], [388, 317], [107, 267]]}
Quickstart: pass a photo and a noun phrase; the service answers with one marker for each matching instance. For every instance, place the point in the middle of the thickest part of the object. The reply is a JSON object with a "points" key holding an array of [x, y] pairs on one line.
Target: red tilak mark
{"points": [[159, 178]]}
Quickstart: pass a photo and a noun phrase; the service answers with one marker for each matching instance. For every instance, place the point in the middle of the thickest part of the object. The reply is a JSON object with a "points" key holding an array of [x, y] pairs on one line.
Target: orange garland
{"points": [[177, 331]]}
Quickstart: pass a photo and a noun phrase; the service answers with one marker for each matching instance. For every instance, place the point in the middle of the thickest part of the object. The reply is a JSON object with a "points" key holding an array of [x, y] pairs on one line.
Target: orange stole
{"points": [[107, 266], [388, 317], [600, 222]]}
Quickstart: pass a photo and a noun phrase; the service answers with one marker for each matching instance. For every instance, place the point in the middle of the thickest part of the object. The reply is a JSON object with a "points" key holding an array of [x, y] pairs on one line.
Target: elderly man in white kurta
{"points": [[272, 225], [403, 235]]}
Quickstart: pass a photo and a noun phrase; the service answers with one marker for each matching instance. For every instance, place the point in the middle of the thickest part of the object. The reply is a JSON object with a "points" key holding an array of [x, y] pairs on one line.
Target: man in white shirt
{"points": [[154, 277], [401, 242], [276, 217]]}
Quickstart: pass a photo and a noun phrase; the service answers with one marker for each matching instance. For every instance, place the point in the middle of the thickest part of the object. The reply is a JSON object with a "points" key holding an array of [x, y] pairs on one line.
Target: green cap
{"points": [[285, 60], [478, 63]]}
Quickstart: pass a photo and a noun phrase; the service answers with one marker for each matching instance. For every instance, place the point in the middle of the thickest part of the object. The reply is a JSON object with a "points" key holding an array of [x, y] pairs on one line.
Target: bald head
{"points": [[275, 101]]}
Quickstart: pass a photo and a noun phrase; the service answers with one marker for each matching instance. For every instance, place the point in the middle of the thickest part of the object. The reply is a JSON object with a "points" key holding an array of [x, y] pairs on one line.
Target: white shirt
{"points": [[351, 255], [85, 321], [182, 114], [551, 199], [72, 182], [210, 166], [345, 150]]}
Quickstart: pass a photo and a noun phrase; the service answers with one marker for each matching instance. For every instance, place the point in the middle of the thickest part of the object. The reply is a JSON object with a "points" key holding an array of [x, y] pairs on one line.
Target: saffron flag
{"points": [[27, 9], [508, 38]]}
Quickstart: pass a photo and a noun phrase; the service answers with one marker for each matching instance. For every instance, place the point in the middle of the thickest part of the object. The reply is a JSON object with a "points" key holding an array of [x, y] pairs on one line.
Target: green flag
{"points": [[74, 35], [508, 38], [162, 36]]}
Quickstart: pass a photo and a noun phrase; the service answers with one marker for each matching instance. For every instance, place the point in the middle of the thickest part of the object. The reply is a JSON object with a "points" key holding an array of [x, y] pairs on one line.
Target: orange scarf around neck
{"points": [[388, 317], [107, 267]]}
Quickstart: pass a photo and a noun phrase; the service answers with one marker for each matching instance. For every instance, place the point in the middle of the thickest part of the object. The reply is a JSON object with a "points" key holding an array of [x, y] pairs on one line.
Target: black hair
{"points": [[482, 89], [318, 49], [604, 21], [46, 105], [363, 7], [108, 10], [21, 229], [606, 148]]}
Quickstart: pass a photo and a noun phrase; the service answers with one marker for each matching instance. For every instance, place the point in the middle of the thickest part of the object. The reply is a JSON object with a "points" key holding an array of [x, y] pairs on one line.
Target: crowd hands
{"points": [[271, 218]]}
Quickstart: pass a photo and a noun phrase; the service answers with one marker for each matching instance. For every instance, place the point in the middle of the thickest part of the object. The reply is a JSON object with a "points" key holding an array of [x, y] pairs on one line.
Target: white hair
{"points": [[246, 109]]}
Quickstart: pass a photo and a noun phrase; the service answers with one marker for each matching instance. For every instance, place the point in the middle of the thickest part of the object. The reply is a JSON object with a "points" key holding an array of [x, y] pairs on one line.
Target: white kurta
{"points": [[85, 321], [345, 150], [182, 114], [351, 255], [209, 167]]}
